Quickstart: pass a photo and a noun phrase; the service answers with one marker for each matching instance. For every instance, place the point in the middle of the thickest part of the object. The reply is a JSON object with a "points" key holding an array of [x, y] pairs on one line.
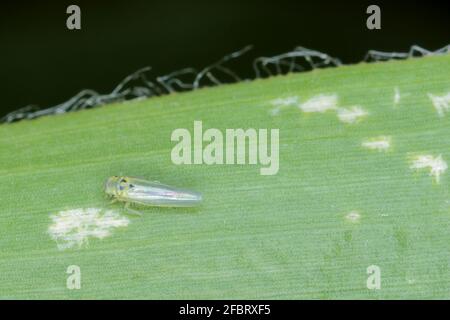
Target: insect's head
{"points": [[115, 185]]}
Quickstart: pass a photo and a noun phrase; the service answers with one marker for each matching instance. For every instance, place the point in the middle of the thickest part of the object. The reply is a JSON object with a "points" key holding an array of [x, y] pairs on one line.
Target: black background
{"points": [[44, 63], [120, 309]]}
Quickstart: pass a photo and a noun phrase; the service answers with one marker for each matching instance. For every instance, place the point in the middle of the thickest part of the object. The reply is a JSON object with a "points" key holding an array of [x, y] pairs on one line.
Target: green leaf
{"points": [[310, 231]]}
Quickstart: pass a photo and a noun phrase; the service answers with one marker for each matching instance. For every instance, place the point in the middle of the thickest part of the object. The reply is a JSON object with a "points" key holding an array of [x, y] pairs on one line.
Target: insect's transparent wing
{"points": [[156, 194]]}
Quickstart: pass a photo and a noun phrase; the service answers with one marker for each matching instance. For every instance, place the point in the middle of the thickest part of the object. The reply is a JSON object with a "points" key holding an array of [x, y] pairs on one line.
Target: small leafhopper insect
{"points": [[143, 192]]}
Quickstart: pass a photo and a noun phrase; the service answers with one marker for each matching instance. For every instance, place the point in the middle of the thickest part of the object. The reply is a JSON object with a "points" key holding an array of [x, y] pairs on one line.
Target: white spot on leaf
{"points": [[73, 228], [396, 96], [288, 101], [353, 216], [283, 102], [382, 143], [351, 115], [436, 165], [320, 103], [440, 103]]}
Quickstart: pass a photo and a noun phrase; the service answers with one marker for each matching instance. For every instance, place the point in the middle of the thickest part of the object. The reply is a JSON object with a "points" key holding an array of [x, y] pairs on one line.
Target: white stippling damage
{"points": [[436, 165], [320, 103], [353, 216], [382, 143], [351, 115], [283, 102], [73, 228], [440, 103], [396, 96]]}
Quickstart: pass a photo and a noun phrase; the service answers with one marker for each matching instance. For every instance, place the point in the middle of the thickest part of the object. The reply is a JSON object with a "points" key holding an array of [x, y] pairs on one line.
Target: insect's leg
{"points": [[113, 201], [127, 207]]}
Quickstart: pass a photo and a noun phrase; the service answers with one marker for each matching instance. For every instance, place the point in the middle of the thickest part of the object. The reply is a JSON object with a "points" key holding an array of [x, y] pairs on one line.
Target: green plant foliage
{"points": [[286, 236]]}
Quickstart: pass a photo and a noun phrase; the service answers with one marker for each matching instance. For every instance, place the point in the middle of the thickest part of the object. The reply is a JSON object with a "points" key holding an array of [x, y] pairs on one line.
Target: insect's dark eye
{"points": [[121, 188]]}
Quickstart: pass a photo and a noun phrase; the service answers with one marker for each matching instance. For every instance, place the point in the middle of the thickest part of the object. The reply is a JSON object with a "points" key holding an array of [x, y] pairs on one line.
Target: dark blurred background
{"points": [[44, 63]]}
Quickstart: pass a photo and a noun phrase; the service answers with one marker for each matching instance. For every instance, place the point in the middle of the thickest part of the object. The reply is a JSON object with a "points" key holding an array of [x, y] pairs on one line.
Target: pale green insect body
{"points": [[149, 193]]}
